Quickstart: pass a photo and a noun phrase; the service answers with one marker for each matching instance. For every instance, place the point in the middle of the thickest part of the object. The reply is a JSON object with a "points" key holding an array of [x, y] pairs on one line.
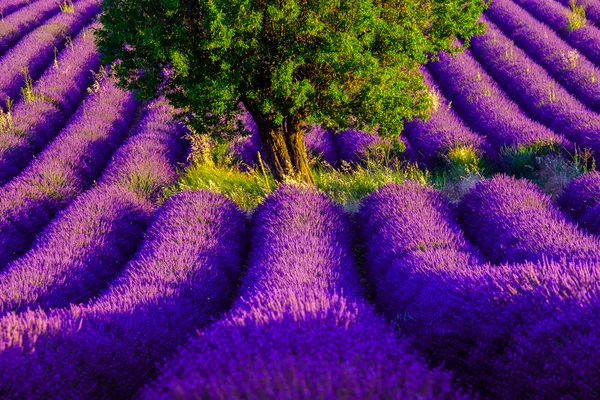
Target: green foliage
{"points": [[576, 17], [338, 62]]}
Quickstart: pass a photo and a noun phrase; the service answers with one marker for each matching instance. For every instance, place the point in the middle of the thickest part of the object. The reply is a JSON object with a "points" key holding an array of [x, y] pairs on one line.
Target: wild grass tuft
{"points": [[576, 16], [67, 6]]}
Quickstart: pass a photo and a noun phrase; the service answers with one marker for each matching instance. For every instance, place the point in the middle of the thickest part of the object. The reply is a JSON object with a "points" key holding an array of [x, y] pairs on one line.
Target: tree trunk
{"points": [[284, 151]]}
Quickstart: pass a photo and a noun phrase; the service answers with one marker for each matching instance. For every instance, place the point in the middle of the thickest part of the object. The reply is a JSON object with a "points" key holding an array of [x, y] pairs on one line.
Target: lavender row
{"points": [[577, 74], [585, 38], [15, 26], [495, 326], [36, 50], [300, 328], [592, 9], [64, 169], [55, 96], [580, 199], [513, 221], [534, 90], [9, 6], [182, 277], [485, 107], [91, 240], [442, 132]]}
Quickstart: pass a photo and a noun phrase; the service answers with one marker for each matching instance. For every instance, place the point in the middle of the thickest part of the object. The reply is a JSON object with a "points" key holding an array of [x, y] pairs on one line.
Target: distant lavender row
{"points": [[182, 277], [577, 74], [592, 9], [580, 200], [16, 25], [534, 90], [57, 94], [36, 50], [9, 6], [586, 38], [92, 239], [495, 326], [485, 107], [513, 221], [64, 169], [300, 328], [444, 130]]}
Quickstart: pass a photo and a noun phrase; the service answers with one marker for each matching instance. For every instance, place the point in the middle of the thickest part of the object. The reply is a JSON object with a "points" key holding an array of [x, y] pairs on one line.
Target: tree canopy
{"points": [[290, 62]]}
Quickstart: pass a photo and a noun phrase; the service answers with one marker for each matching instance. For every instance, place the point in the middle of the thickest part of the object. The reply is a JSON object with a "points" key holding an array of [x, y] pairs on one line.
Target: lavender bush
{"points": [[580, 195], [91, 240], [497, 327], [485, 107], [513, 221], [443, 131], [36, 119], [577, 74], [534, 89], [64, 169], [9, 6], [181, 278], [301, 328], [36, 50]]}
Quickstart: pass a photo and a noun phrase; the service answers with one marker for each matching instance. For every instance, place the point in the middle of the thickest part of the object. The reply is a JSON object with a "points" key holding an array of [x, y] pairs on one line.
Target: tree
{"points": [[289, 62]]}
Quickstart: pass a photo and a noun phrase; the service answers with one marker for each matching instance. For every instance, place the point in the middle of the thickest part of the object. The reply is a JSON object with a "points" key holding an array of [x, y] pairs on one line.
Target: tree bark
{"points": [[283, 149]]}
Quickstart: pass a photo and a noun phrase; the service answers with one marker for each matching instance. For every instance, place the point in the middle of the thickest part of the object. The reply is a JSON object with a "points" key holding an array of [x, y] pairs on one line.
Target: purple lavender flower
{"points": [[577, 74], [64, 169], [513, 221], [9, 6], [36, 50], [319, 141], [92, 239], [580, 195], [56, 95], [534, 89], [591, 220], [585, 38], [481, 103], [182, 277], [301, 328], [16, 25], [493, 325], [443, 131]]}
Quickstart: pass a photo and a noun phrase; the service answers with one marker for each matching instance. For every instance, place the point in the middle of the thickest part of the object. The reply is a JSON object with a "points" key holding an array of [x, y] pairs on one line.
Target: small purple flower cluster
{"points": [[300, 328], [64, 169], [92, 239], [511, 331], [513, 221], [36, 50], [580, 199], [485, 107], [443, 131], [577, 74], [534, 89], [57, 94], [182, 278]]}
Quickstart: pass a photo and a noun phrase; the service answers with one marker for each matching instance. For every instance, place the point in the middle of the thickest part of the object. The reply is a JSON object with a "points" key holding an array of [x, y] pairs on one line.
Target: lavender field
{"points": [[460, 260]]}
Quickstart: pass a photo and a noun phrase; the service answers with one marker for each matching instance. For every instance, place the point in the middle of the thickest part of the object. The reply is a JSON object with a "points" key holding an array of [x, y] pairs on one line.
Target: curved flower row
{"points": [[534, 90], [56, 95], [522, 331], [9, 6], [513, 221], [577, 74], [300, 328], [443, 131], [91, 240], [36, 50], [580, 199], [182, 277], [485, 107], [15, 26], [585, 38], [64, 169]]}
